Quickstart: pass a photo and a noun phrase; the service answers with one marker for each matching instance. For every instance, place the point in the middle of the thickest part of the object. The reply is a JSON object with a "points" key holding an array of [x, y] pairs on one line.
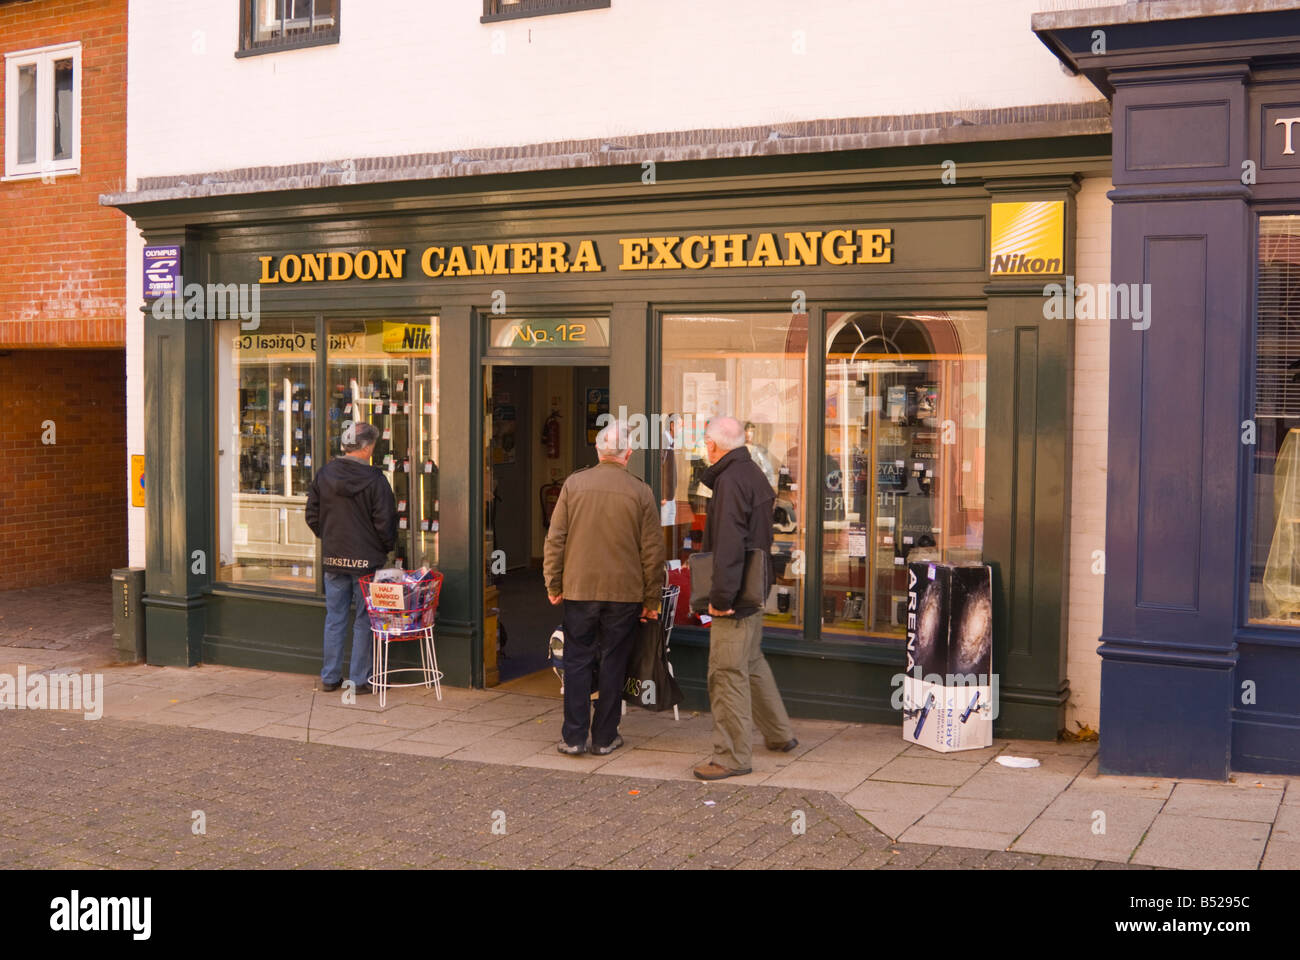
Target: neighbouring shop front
{"points": [[880, 331], [1200, 647]]}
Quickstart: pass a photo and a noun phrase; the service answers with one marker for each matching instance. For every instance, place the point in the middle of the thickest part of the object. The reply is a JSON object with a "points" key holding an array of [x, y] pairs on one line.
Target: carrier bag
{"points": [[650, 682]]}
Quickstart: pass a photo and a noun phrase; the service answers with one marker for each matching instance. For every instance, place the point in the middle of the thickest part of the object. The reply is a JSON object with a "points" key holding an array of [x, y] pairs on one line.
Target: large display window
{"points": [[750, 366], [383, 372], [266, 416], [903, 477], [1273, 433]]}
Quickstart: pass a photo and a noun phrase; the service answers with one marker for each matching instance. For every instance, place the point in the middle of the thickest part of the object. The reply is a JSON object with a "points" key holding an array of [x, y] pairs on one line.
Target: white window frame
{"points": [[44, 166]]}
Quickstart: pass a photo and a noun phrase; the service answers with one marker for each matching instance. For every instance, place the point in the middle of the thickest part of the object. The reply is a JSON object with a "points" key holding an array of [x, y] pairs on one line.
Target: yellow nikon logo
{"points": [[1028, 237]]}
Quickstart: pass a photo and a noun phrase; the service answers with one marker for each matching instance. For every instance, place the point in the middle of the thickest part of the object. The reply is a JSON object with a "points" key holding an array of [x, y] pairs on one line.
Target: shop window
{"points": [[265, 429], [1272, 436], [385, 372], [515, 9], [43, 112], [750, 366], [270, 25], [903, 471]]}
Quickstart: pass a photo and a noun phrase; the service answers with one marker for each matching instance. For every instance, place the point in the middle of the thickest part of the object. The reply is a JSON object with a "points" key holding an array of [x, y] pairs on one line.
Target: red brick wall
{"points": [[62, 506], [62, 255]]}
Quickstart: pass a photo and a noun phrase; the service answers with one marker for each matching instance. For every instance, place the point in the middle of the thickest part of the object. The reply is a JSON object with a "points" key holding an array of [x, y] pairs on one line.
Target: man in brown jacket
{"points": [[604, 560]]}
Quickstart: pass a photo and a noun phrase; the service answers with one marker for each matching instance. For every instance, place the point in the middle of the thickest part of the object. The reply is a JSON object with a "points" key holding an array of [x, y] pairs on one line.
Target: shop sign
{"points": [[713, 251], [162, 267], [1027, 238]]}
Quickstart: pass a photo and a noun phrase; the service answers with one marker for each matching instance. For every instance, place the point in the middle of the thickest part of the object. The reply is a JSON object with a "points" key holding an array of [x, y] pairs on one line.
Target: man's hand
{"points": [[556, 601], [648, 614], [715, 612]]}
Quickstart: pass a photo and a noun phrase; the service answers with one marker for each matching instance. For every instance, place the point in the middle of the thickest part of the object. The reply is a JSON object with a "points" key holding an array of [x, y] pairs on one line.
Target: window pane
{"points": [[384, 372], [751, 367], [1275, 535], [903, 477], [27, 114], [64, 115], [267, 18], [264, 442]]}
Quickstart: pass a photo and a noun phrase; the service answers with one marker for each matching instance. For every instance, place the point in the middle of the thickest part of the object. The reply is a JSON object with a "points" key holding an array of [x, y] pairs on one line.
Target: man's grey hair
{"points": [[358, 436], [726, 432], [612, 440]]}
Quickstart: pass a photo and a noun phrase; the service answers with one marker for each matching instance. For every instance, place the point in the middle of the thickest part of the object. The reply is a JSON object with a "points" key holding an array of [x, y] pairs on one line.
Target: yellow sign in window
{"points": [[1028, 238]]}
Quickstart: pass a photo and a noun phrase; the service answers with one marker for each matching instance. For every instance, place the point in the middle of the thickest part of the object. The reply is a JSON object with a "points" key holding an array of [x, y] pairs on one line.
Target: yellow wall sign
{"points": [[137, 480], [804, 248], [1028, 238]]}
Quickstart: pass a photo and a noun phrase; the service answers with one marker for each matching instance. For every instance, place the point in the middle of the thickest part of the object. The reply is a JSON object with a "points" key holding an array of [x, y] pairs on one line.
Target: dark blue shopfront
{"points": [[1201, 634]]}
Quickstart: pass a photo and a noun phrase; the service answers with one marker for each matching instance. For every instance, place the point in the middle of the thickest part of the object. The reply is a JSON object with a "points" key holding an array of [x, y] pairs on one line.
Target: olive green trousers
{"points": [[742, 691]]}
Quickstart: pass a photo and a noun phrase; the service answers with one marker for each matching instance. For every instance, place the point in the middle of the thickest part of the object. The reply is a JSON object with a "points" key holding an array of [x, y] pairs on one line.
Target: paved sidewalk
{"points": [[911, 795]]}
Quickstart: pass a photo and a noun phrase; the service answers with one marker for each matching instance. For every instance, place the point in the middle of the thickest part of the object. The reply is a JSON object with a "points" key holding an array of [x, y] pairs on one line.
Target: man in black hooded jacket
{"points": [[351, 508]]}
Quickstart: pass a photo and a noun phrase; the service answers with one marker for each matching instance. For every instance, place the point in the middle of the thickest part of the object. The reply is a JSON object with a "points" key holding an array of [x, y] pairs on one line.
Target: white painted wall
{"points": [[1088, 471], [412, 76]]}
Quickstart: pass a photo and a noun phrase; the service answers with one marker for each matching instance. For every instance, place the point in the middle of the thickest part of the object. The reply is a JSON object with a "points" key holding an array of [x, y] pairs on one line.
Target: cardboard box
{"points": [[948, 690]]}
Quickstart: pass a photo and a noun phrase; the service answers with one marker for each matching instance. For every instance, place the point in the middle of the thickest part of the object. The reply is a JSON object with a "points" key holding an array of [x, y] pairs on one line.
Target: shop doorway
{"points": [[541, 424]]}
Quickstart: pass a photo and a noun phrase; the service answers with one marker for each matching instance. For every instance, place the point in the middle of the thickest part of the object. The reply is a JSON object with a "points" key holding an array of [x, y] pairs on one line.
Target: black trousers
{"points": [[589, 626]]}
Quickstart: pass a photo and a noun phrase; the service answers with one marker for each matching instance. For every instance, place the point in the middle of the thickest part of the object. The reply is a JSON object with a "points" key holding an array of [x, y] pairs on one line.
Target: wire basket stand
{"points": [[412, 622]]}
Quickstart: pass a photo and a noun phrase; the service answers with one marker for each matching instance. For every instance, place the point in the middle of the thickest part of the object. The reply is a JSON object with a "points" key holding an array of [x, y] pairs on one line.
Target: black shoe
{"points": [[784, 747], [331, 687], [572, 751], [614, 745], [364, 688]]}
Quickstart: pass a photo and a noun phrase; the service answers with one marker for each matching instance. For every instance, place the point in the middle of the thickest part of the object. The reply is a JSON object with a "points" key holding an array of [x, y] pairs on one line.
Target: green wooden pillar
{"points": [[178, 470], [628, 373], [460, 498], [1027, 494]]}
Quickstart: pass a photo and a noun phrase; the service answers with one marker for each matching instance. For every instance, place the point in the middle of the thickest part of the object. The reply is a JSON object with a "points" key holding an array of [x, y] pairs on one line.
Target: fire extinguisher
{"points": [[550, 497], [551, 435]]}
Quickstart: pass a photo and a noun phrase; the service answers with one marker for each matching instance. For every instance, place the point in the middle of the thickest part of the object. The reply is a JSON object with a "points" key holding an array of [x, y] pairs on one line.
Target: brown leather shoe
{"points": [[713, 771], [784, 747]]}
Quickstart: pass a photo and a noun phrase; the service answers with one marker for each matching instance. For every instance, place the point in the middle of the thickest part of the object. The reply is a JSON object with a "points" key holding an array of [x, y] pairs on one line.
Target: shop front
{"points": [[880, 333], [1200, 647]]}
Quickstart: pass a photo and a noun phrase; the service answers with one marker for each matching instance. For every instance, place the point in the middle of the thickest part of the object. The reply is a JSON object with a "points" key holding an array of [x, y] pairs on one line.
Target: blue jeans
{"points": [[340, 590]]}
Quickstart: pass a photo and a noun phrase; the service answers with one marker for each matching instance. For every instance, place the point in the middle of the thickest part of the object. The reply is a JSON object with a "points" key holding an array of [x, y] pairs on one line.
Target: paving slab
{"points": [[1226, 802], [940, 772], [453, 732], [994, 782], [948, 837], [893, 807], [846, 748], [498, 750], [1090, 779], [238, 720], [1075, 838], [1203, 843], [814, 775], [655, 764], [370, 735], [992, 816]]}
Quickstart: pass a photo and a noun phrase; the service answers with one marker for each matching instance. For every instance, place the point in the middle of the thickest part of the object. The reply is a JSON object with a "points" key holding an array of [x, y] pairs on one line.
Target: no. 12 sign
{"points": [[542, 333]]}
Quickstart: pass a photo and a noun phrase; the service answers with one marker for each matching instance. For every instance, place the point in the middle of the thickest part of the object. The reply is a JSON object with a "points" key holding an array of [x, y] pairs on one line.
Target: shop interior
{"points": [[541, 426]]}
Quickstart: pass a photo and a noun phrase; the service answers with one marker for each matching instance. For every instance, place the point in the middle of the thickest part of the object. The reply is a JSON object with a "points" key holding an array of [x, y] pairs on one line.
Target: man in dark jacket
{"points": [[351, 508], [741, 687]]}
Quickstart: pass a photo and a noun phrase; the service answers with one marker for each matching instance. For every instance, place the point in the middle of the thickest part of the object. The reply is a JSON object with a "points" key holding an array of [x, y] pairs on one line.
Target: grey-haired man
{"points": [[741, 687], [351, 508], [604, 560]]}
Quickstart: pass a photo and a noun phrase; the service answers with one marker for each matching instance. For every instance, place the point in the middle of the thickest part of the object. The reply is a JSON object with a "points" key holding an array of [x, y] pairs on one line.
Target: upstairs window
{"points": [[43, 112], [270, 25], [514, 9]]}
